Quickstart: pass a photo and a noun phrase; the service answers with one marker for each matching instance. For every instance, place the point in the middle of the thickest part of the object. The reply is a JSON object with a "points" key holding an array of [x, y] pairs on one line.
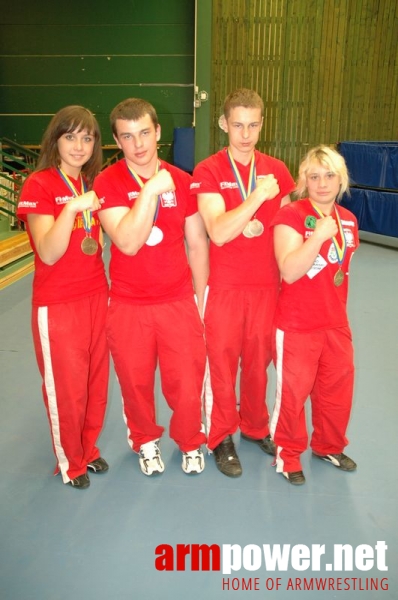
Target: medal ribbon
{"points": [[340, 250], [86, 213], [139, 181], [244, 193]]}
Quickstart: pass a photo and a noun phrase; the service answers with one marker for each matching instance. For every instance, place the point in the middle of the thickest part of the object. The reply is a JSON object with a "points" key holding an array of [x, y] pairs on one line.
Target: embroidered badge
{"points": [[168, 199], [310, 222], [332, 254]]}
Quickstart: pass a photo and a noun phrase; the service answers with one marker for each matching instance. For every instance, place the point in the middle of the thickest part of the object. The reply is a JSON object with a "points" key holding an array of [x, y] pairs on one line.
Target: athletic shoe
{"points": [[295, 478], [99, 465], [266, 444], [193, 461], [341, 461], [150, 458], [227, 461], [81, 482]]}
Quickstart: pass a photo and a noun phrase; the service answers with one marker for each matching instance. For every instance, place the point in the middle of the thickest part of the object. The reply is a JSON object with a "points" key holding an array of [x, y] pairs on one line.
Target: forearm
{"points": [[53, 244], [298, 262], [199, 262], [226, 226], [134, 228]]}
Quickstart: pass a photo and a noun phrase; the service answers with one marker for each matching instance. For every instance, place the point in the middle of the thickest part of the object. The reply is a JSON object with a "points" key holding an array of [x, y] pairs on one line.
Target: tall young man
{"points": [[239, 191], [149, 215]]}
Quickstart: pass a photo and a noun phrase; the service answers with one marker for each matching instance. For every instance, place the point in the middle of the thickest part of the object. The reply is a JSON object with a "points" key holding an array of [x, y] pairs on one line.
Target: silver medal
{"points": [[256, 228], [155, 237]]}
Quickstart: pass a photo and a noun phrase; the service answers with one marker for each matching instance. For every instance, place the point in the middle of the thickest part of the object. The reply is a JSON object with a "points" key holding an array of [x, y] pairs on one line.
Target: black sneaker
{"points": [[81, 482], [266, 444], [295, 478], [341, 461], [99, 465], [227, 460]]}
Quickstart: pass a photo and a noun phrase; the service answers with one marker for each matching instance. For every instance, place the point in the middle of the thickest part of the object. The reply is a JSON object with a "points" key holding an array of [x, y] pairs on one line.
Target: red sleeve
{"points": [[182, 181], [283, 176], [113, 186], [36, 197], [288, 215], [204, 179]]}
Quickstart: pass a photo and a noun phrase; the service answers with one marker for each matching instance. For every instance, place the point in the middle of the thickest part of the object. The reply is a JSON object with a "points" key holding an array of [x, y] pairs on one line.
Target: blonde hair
{"points": [[327, 157]]}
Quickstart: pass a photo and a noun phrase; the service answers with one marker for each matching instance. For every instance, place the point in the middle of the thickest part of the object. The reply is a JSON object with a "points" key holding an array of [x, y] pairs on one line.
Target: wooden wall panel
{"points": [[327, 70]]}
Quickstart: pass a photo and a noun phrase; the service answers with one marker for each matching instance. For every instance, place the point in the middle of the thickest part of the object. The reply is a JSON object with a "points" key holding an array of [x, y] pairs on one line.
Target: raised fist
{"points": [[267, 186], [161, 182]]}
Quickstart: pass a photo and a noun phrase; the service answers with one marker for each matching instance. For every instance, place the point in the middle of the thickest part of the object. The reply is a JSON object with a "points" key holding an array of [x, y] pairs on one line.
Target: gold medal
{"points": [[340, 250], [89, 246], [256, 228], [338, 278]]}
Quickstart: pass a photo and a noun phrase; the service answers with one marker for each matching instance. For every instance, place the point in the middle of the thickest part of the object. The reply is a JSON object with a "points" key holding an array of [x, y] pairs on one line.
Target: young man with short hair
{"points": [[239, 191], [153, 318]]}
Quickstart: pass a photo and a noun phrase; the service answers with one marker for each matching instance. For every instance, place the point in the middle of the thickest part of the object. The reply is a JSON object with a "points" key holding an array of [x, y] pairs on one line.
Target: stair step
{"points": [[13, 273], [13, 248]]}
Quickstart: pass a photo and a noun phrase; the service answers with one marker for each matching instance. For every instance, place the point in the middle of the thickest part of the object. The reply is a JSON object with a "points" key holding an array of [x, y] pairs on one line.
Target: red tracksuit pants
{"points": [[171, 334], [318, 364], [73, 359], [238, 325]]}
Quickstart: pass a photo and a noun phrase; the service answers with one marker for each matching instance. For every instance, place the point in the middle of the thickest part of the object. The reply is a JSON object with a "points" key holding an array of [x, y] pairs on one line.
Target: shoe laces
{"points": [[150, 450], [193, 461], [193, 455]]}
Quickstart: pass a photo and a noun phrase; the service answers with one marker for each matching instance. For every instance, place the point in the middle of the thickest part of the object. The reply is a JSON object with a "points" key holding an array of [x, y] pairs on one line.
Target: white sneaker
{"points": [[193, 461], [150, 458]]}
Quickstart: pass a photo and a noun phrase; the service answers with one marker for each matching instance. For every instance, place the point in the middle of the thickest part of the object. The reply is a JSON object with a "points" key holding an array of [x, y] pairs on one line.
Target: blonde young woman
{"points": [[314, 240]]}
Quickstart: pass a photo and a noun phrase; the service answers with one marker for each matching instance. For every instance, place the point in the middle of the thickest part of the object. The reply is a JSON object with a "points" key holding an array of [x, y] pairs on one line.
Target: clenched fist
{"points": [[267, 186], [161, 182], [326, 228], [87, 201]]}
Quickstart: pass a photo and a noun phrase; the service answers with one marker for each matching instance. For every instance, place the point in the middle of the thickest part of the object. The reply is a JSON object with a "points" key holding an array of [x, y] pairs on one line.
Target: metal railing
{"points": [[16, 162]]}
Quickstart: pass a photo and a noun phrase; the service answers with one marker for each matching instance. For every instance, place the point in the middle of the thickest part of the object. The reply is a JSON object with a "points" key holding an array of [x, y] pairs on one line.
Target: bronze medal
{"points": [[248, 232], [338, 278], [89, 246], [256, 228]]}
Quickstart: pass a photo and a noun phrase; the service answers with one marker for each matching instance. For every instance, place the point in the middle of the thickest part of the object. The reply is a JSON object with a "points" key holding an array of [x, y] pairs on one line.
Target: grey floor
{"points": [[57, 543]]}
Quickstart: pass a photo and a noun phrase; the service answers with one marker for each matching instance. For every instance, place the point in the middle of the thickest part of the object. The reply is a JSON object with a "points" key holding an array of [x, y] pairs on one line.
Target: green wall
{"points": [[203, 78], [95, 54]]}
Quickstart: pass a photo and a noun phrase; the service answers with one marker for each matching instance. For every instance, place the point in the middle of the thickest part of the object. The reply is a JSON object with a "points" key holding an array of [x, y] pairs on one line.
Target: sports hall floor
{"points": [[58, 543]]}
